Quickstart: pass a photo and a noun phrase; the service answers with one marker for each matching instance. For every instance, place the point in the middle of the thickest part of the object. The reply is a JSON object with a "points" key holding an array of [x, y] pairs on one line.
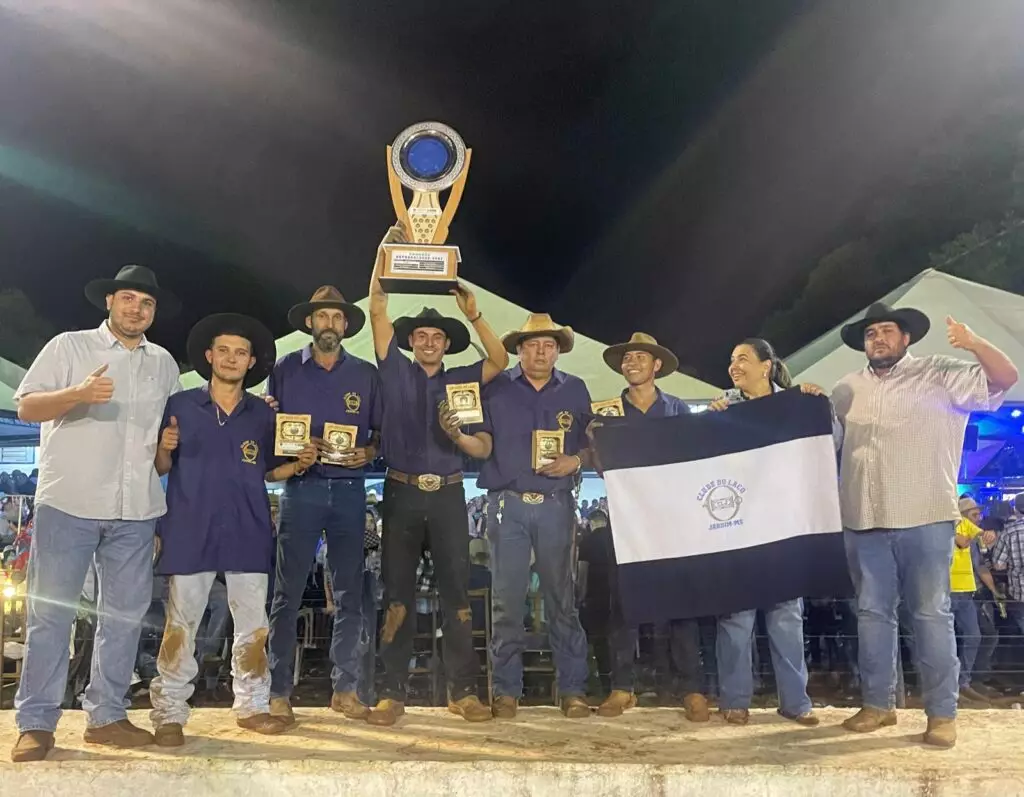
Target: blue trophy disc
{"points": [[429, 156]]}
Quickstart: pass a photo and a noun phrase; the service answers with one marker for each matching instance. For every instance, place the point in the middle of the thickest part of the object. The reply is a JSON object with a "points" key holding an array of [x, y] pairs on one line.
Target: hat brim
{"points": [[613, 356], [913, 322], [565, 337], [261, 339], [97, 292], [354, 315], [456, 332]]}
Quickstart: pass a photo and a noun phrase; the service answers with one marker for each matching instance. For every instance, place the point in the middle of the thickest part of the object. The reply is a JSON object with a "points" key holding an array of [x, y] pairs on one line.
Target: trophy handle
{"points": [[453, 199], [397, 199]]}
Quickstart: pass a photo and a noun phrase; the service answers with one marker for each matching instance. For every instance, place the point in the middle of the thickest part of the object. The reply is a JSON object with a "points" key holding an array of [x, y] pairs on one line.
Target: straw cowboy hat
{"points": [[641, 341], [260, 339], [913, 322], [330, 297], [133, 278], [538, 324], [454, 329]]}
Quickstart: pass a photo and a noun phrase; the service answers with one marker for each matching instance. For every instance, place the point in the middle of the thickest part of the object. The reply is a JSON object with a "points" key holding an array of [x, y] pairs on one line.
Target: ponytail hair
{"points": [[779, 373]]}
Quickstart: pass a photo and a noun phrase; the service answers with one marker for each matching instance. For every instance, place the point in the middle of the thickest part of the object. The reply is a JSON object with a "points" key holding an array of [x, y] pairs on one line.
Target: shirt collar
{"points": [[904, 363], [516, 372], [307, 355], [659, 397], [110, 341], [202, 397]]}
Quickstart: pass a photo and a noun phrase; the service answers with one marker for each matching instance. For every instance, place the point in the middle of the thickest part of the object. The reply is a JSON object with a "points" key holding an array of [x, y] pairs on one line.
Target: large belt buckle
{"points": [[533, 498], [429, 482]]}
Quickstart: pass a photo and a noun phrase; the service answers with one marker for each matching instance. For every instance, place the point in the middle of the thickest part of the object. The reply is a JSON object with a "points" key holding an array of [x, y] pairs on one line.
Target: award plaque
{"points": [[609, 408], [340, 439], [292, 434], [427, 158], [546, 447], [464, 401]]}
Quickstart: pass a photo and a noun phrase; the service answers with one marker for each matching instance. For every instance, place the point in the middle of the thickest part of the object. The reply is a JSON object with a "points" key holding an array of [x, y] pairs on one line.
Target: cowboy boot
{"points": [[348, 703], [941, 732], [504, 708], [870, 719], [616, 703], [470, 709]]}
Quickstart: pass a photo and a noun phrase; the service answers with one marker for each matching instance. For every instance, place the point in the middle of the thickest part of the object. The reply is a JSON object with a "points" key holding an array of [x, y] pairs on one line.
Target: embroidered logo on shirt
{"points": [[564, 419], [250, 452], [353, 401]]}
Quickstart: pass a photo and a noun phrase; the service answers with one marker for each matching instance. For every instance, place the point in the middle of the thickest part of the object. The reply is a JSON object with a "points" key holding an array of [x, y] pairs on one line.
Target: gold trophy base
{"points": [[420, 268]]}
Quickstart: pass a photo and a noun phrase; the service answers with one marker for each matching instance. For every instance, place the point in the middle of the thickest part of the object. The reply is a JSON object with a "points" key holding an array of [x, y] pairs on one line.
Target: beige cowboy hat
{"points": [[641, 341], [537, 325]]}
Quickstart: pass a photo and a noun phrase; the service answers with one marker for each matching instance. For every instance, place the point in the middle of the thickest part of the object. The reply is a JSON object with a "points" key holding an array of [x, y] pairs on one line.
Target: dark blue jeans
{"points": [[968, 631], [514, 528], [367, 690], [312, 505]]}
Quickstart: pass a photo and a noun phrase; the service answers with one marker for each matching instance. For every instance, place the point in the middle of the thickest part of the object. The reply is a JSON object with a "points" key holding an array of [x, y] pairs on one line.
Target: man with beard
{"points": [[100, 395], [424, 498], [217, 446], [532, 510], [641, 361], [904, 419], [332, 386]]}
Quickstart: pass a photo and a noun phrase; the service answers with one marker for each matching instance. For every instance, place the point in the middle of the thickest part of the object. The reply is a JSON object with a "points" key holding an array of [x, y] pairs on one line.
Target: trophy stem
{"points": [[453, 199], [397, 199]]}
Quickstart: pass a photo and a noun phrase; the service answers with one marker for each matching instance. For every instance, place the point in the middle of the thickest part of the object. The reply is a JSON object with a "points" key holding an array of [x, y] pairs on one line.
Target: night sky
{"points": [[675, 166]]}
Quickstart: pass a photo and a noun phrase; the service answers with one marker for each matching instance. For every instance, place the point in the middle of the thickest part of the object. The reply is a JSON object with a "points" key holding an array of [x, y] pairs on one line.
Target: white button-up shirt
{"points": [[96, 461], [904, 436]]}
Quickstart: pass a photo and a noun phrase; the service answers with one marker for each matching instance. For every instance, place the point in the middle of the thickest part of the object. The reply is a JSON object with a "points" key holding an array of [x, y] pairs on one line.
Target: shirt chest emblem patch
{"points": [[564, 419], [250, 452], [353, 401]]}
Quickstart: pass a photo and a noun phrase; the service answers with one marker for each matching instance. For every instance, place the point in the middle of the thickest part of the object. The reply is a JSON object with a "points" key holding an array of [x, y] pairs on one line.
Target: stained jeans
{"points": [[514, 528], [63, 548], [310, 506], [913, 564], [785, 625], [965, 621]]}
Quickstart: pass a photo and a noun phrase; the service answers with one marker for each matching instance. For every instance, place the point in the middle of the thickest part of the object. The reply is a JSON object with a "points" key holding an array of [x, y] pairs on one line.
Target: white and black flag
{"points": [[725, 511]]}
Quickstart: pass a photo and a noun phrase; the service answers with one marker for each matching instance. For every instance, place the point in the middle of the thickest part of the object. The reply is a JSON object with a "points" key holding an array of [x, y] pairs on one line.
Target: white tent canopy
{"points": [[996, 315], [585, 360]]}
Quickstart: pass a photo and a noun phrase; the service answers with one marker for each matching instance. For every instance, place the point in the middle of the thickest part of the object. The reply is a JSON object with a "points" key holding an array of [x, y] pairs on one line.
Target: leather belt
{"points": [[428, 482], [535, 498]]}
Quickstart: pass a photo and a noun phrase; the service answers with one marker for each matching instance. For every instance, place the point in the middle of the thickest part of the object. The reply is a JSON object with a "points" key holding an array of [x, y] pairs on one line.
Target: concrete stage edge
{"points": [[431, 752]]}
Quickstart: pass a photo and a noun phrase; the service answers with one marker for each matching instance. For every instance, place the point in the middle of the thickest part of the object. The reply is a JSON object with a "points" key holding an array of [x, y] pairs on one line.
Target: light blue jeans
{"points": [[913, 564], [63, 547], [734, 648]]}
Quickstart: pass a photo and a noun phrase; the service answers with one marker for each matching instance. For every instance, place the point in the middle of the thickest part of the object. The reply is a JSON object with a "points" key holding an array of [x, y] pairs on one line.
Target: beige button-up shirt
{"points": [[903, 439], [96, 461]]}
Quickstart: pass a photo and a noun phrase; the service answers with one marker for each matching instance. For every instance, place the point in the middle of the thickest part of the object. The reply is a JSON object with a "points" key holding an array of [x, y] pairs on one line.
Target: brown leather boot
{"points": [[386, 712], [736, 716], [870, 719], [32, 746], [170, 735], [616, 703], [119, 734], [281, 708], [941, 732], [808, 719], [265, 724], [348, 703], [575, 707], [504, 708], [470, 709], [696, 708]]}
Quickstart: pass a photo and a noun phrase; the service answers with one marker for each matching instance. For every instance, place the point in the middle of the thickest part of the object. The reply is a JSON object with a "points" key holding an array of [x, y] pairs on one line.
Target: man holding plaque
{"points": [[641, 361], [341, 396], [533, 438], [424, 499]]}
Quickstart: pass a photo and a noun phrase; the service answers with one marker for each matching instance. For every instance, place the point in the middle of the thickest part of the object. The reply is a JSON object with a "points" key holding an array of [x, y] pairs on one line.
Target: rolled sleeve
{"points": [[967, 385], [51, 370]]}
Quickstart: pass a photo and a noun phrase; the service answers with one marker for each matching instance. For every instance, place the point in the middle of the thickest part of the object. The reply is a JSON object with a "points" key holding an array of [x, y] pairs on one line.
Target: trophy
{"points": [[340, 439], [291, 434], [547, 446], [464, 401], [426, 158], [609, 408]]}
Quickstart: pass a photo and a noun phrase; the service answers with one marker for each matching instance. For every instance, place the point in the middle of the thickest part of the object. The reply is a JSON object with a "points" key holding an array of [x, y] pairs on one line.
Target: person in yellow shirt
{"points": [[962, 593]]}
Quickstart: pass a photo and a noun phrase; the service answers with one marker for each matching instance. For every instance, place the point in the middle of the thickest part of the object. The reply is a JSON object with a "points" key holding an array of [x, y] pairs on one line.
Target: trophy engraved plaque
{"points": [[609, 408], [547, 445], [340, 439], [291, 434], [427, 158], [464, 401]]}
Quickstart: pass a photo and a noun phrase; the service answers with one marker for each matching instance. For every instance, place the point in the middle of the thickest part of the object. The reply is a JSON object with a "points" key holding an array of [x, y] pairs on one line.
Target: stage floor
{"points": [[431, 752]]}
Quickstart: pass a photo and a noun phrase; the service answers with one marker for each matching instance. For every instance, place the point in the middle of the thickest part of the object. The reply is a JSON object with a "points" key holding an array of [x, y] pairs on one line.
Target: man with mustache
{"points": [[332, 386], [904, 419], [424, 498]]}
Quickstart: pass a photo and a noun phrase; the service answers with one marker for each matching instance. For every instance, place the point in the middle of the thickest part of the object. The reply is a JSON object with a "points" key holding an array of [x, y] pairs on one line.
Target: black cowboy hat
{"points": [[913, 322], [133, 278], [259, 337], [330, 297], [456, 331]]}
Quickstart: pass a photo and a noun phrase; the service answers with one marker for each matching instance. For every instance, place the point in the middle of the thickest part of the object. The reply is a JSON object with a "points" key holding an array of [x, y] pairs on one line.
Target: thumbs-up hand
{"points": [[960, 335], [96, 388], [169, 436]]}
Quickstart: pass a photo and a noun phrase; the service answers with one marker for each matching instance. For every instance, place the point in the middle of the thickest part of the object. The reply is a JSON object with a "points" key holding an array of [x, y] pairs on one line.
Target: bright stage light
{"points": [[9, 591], [1015, 414]]}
